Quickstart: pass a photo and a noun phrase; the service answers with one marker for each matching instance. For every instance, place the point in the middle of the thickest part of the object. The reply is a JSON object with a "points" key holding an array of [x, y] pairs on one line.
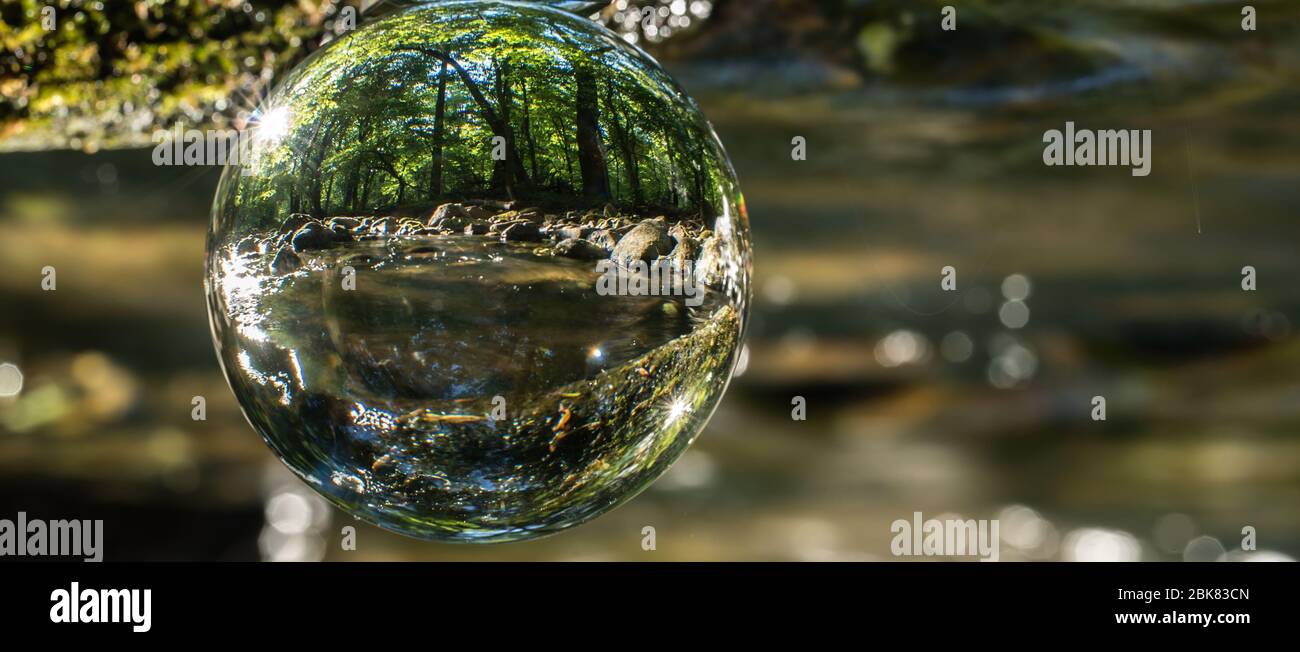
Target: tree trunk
{"points": [[568, 160], [500, 126], [528, 131], [591, 155], [439, 135], [623, 136], [674, 182], [329, 193], [350, 183]]}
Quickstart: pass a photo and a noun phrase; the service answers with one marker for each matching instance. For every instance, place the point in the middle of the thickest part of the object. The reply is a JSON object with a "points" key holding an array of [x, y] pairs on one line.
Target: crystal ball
{"points": [[480, 271]]}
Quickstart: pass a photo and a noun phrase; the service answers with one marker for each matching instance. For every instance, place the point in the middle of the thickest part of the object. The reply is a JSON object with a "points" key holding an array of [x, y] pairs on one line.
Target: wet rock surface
{"points": [[312, 236], [579, 249], [647, 241], [522, 232], [285, 261]]}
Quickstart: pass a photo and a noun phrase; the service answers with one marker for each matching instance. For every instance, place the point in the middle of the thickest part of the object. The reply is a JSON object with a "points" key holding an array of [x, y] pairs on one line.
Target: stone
{"points": [[477, 228], [269, 244], [285, 261], [312, 236], [444, 212], [477, 213], [579, 249], [603, 238], [294, 222], [453, 223], [571, 232], [709, 260], [383, 226], [679, 233], [646, 241], [341, 234], [686, 251], [530, 215], [499, 227], [522, 232]]}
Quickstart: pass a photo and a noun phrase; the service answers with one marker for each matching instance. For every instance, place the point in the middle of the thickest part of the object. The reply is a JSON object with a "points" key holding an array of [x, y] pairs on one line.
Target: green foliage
{"points": [[112, 72], [402, 115]]}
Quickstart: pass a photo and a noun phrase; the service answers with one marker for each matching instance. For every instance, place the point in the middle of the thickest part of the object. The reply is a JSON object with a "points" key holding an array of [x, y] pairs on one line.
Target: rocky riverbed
{"points": [[590, 236]]}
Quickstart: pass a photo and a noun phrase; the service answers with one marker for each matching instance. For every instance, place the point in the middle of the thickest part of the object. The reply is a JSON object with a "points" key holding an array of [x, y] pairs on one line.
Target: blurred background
{"points": [[924, 150]]}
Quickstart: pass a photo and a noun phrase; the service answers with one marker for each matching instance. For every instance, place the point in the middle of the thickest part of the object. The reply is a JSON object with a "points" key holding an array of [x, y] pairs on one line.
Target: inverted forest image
{"points": [[409, 117]]}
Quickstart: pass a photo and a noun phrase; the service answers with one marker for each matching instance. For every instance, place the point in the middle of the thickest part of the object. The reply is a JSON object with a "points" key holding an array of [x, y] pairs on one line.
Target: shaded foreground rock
{"points": [[294, 222], [312, 236], [444, 212], [285, 261], [571, 232], [522, 232], [579, 249]]}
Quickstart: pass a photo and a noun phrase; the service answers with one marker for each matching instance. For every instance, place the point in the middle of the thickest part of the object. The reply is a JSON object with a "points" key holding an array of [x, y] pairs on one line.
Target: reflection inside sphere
{"points": [[483, 274]]}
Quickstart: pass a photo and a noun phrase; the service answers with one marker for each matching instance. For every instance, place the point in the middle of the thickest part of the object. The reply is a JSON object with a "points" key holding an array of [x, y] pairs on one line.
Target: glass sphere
{"points": [[480, 272]]}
